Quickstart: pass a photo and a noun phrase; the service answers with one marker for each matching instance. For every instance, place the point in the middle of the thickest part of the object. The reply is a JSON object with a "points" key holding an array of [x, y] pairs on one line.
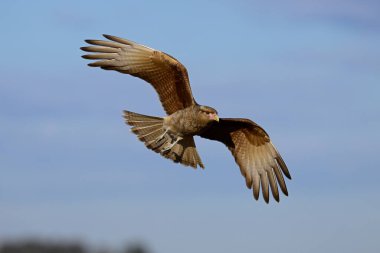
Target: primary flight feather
{"points": [[172, 136]]}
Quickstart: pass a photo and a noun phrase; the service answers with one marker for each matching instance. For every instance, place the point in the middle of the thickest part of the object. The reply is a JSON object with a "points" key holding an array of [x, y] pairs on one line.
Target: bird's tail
{"points": [[151, 131]]}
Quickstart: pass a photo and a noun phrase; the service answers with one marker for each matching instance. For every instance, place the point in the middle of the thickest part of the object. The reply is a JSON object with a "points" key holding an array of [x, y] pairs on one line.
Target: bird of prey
{"points": [[172, 136]]}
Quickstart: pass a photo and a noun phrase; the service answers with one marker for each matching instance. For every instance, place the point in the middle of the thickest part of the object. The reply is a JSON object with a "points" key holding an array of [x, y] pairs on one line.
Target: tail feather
{"points": [[135, 117], [148, 133], [185, 152], [150, 129]]}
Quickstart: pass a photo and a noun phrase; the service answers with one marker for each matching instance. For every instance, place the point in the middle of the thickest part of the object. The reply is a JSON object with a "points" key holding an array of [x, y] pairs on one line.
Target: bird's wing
{"points": [[258, 159], [166, 74]]}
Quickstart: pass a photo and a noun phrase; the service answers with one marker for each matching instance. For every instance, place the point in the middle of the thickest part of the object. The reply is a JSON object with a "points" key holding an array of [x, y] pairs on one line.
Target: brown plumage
{"points": [[172, 136]]}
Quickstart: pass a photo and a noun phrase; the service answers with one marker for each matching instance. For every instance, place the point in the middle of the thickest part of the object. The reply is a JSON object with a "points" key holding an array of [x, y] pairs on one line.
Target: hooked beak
{"points": [[213, 116], [216, 117]]}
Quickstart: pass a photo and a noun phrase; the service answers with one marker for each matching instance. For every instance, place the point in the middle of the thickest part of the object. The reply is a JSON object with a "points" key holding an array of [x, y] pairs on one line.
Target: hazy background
{"points": [[307, 71]]}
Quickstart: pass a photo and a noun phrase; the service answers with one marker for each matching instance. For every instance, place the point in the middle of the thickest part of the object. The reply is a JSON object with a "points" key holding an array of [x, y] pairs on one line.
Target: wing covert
{"points": [[166, 74], [258, 159]]}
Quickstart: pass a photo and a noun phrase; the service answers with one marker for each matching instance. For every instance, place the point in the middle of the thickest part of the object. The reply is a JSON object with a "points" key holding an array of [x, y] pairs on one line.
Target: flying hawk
{"points": [[172, 136]]}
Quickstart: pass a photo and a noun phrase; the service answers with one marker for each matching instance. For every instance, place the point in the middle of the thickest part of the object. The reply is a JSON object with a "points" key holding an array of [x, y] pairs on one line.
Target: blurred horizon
{"points": [[65, 246], [308, 72]]}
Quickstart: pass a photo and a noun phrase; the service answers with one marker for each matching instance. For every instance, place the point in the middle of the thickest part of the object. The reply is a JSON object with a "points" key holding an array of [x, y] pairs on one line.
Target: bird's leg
{"points": [[159, 138], [171, 145]]}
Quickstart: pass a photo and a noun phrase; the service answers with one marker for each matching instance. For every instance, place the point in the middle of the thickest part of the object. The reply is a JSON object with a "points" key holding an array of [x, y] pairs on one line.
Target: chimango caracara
{"points": [[172, 136]]}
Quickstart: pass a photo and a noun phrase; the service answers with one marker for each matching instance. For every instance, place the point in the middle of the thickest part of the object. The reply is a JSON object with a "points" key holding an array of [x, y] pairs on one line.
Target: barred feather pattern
{"points": [[149, 129], [165, 73], [259, 161]]}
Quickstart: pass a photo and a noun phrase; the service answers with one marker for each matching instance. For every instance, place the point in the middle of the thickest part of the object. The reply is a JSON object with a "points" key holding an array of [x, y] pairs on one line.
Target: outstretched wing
{"points": [[166, 74], [258, 159]]}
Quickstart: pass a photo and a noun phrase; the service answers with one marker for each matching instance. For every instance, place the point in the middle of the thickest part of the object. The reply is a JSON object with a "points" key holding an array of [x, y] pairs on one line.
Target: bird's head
{"points": [[209, 113]]}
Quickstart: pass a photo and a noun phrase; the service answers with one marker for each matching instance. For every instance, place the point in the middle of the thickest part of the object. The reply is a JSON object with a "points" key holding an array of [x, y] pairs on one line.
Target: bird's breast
{"points": [[185, 122]]}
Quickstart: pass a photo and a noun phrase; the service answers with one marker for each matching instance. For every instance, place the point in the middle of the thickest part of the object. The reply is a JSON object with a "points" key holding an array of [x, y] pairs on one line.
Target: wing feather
{"points": [[166, 74], [258, 159], [256, 184], [264, 185], [273, 185]]}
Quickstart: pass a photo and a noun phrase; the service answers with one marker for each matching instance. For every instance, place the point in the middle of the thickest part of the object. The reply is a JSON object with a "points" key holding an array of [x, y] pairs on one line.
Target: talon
{"points": [[166, 149]]}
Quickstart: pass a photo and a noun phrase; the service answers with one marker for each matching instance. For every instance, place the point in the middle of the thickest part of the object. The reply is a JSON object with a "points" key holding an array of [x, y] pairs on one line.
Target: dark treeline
{"points": [[57, 247]]}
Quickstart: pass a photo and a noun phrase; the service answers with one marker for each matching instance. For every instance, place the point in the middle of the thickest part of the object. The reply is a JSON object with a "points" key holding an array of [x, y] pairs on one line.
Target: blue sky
{"points": [[308, 72]]}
